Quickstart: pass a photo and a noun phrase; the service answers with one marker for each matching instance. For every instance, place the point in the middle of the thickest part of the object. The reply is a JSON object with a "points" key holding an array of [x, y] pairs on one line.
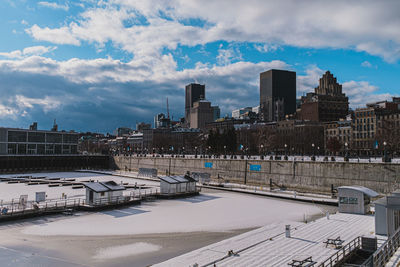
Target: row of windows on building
{"points": [[41, 137], [32, 149]]}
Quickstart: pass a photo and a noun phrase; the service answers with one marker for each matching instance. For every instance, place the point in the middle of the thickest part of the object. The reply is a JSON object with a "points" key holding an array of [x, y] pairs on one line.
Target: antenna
{"points": [[167, 109]]}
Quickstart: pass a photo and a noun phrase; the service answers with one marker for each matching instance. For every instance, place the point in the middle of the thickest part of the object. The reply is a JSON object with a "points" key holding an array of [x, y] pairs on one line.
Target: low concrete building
{"points": [[355, 199], [387, 214], [103, 192]]}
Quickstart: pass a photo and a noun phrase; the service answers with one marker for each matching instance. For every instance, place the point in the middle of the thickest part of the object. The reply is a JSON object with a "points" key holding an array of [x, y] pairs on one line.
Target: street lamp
{"points": [[224, 152], [346, 156], [385, 155], [195, 152], [286, 157], [313, 152], [262, 151]]}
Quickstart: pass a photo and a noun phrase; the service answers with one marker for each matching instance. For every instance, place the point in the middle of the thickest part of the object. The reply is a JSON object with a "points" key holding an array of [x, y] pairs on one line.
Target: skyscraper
{"points": [[277, 94], [194, 92]]}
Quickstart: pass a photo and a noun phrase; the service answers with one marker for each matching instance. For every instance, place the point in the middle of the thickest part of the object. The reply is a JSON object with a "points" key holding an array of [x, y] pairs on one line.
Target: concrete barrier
{"points": [[299, 175]]}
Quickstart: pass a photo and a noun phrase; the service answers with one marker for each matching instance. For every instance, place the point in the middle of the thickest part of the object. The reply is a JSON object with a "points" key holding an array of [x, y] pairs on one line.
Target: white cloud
{"points": [[266, 48], [61, 35], [307, 83], [367, 26], [47, 103], [363, 92], [226, 56], [53, 5], [29, 51]]}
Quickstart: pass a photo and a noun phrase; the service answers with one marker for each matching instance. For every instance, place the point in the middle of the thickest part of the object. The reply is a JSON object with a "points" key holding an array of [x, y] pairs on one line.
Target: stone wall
{"points": [[303, 176]]}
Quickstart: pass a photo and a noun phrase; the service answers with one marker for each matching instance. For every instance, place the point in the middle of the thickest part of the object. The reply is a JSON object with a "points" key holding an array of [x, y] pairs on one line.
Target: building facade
{"points": [[327, 103], [37, 142], [200, 114], [277, 94], [193, 92]]}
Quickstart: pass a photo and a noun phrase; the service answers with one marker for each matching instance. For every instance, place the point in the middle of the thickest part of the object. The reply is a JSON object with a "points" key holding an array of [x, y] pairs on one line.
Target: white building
{"points": [[98, 193]]}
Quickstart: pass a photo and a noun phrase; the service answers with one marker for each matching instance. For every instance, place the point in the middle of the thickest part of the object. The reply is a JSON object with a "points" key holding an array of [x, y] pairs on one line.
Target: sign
{"points": [[255, 167], [208, 164], [376, 145]]}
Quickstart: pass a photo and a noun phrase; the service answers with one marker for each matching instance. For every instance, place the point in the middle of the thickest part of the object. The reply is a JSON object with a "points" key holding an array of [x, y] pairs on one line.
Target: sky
{"points": [[99, 65]]}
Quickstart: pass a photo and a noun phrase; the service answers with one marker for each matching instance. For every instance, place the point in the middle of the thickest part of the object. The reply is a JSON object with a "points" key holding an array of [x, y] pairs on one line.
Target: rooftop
{"points": [[268, 246]]}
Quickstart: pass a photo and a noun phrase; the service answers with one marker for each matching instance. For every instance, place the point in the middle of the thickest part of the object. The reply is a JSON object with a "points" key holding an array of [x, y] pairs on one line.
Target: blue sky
{"points": [[98, 65]]}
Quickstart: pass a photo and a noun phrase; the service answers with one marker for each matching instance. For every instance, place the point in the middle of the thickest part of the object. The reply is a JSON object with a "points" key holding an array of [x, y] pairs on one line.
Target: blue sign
{"points": [[208, 164], [255, 167], [376, 144]]}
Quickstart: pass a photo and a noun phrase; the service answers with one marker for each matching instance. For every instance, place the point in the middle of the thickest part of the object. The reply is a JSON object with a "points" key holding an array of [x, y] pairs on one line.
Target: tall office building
{"points": [[277, 94], [327, 103], [194, 92]]}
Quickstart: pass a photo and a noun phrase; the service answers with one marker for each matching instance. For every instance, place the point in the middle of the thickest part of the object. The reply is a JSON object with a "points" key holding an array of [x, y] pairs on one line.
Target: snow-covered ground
{"points": [[209, 212]]}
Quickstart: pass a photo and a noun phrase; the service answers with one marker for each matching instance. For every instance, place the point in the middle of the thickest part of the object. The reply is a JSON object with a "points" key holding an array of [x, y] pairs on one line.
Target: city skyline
{"points": [[97, 66]]}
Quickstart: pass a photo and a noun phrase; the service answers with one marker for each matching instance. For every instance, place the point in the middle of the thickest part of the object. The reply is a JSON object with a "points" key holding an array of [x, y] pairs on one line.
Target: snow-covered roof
{"points": [[180, 179], [268, 246], [168, 179], [96, 187], [365, 190], [113, 186], [104, 186]]}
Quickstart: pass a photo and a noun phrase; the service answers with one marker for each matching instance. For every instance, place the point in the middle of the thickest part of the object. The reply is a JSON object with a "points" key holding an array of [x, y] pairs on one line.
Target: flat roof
{"points": [[268, 246], [365, 190]]}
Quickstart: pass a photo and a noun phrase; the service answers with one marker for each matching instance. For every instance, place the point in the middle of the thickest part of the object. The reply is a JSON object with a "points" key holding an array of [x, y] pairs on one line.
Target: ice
{"points": [[213, 212], [125, 250]]}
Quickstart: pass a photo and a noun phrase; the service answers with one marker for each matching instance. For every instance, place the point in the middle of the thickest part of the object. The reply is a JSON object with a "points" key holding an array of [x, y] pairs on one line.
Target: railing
{"points": [[342, 253], [386, 250], [30, 207]]}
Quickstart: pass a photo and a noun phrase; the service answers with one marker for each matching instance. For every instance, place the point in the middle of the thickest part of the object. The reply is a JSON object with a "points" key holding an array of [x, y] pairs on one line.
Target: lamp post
{"points": [[385, 155], [313, 152], [262, 151], [195, 152], [224, 152], [209, 151], [183, 152], [346, 156], [286, 157]]}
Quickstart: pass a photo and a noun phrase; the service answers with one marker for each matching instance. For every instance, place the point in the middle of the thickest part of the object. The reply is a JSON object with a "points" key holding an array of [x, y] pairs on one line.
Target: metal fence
{"points": [[386, 250], [148, 172]]}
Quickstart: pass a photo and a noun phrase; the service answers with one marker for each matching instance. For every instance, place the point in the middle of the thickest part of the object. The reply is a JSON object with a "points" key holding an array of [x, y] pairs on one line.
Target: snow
{"points": [[213, 212], [268, 246], [125, 250], [14, 191]]}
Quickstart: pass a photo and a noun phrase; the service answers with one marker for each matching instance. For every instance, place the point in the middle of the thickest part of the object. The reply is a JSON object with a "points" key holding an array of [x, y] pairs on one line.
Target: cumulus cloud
{"points": [[363, 92], [366, 26], [28, 51]]}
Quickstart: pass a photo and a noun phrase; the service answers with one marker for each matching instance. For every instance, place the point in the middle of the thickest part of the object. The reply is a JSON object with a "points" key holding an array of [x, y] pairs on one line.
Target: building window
{"points": [[353, 200], [343, 200]]}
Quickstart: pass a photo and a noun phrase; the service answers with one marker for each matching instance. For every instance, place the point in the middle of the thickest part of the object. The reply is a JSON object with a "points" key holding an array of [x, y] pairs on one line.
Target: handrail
{"points": [[387, 249], [342, 253]]}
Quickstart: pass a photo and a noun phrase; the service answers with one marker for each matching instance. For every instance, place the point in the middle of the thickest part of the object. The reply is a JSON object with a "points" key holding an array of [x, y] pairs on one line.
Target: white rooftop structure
{"points": [[268, 246]]}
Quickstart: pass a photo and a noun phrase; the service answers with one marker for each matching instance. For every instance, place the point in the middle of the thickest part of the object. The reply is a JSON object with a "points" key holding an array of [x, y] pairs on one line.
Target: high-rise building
{"points": [[200, 114], [216, 112], [327, 103], [193, 92], [277, 94]]}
